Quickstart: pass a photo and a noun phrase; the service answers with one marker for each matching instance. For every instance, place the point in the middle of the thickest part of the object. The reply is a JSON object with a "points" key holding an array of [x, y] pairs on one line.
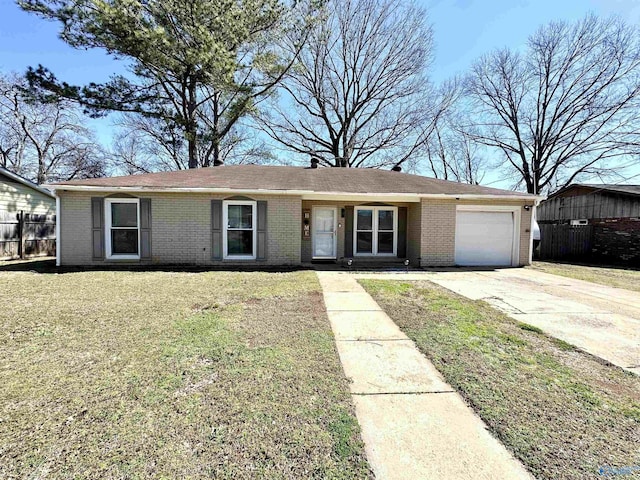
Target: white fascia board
{"points": [[474, 196], [356, 197], [25, 182], [305, 194], [87, 188]]}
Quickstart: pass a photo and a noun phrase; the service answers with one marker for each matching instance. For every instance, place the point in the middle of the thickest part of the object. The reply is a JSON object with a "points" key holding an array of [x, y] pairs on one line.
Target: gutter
{"points": [[57, 228], [303, 193]]}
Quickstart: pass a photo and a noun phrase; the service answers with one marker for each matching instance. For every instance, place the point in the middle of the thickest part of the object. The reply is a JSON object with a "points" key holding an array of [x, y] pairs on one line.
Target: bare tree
{"points": [[564, 108], [44, 142], [450, 152], [146, 144], [452, 155], [359, 95]]}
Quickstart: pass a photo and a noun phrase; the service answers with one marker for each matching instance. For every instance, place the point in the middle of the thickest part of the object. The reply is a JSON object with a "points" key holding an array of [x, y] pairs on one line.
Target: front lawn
{"points": [[563, 413], [609, 276], [171, 375]]}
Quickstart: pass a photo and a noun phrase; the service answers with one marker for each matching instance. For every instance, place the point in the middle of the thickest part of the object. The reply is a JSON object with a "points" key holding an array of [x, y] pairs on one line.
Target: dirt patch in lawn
{"points": [[609, 276], [562, 412], [173, 375]]}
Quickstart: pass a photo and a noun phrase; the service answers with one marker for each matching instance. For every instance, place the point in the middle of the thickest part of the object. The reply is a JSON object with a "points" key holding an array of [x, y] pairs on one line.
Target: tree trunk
{"points": [[192, 127], [193, 152], [42, 175], [217, 161]]}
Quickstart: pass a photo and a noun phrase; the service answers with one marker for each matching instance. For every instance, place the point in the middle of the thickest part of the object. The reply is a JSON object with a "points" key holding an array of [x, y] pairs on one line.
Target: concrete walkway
{"points": [[601, 320], [413, 424]]}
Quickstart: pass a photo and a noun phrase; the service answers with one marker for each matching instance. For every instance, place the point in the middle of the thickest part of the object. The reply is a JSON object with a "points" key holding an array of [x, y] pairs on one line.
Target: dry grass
{"points": [[562, 412], [171, 375], [611, 277]]}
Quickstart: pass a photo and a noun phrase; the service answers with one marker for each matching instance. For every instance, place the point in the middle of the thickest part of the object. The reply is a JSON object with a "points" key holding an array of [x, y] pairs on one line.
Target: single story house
{"points": [[17, 194], [607, 215], [281, 215]]}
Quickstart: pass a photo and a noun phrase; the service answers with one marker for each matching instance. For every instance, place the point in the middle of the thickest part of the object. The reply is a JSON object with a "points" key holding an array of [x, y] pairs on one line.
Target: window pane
{"points": [[385, 219], [240, 216], [364, 243], [365, 218], [124, 214], [385, 242], [240, 242], [124, 242]]}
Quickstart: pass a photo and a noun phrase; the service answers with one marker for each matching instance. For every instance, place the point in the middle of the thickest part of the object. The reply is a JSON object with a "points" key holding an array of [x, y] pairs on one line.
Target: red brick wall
{"points": [[617, 239]]}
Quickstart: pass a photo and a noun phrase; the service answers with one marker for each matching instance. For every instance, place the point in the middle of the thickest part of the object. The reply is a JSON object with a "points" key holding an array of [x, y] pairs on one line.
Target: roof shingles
{"points": [[284, 178]]}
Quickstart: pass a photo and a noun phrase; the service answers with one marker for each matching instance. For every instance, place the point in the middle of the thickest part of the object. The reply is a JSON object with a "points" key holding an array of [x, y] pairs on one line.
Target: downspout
{"points": [[534, 209], [57, 228]]}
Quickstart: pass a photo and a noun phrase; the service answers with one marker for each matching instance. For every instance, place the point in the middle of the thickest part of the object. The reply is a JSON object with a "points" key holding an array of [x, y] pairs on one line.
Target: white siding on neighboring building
{"points": [[15, 196]]}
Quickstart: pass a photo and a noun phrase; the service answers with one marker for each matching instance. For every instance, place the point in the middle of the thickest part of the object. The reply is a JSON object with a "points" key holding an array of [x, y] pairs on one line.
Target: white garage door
{"points": [[484, 238]]}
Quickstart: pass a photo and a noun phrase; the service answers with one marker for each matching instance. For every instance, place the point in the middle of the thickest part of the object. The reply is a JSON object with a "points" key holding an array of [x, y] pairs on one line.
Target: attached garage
{"points": [[487, 235]]}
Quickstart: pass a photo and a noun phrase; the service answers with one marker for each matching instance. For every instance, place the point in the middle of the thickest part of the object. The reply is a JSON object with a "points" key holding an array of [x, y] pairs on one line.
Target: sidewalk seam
{"points": [[366, 394]]}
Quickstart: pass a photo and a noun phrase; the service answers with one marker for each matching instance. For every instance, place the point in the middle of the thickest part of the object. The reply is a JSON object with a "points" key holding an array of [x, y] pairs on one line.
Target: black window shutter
{"points": [[261, 251], [97, 227], [145, 229], [216, 229], [402, 232], [348, 232]]}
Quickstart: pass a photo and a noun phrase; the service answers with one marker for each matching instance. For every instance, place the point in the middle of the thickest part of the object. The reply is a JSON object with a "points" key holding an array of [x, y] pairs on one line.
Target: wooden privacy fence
{"points": [[26, 234], [565, 241]]}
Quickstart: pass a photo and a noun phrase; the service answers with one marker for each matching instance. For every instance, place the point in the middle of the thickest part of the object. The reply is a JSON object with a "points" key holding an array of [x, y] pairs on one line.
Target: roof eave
{"points": [[305, 194], [25, 182]]}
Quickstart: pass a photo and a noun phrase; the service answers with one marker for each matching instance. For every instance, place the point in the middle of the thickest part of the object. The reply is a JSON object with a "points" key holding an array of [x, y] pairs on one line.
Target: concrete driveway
{"points": [[603, 321]]}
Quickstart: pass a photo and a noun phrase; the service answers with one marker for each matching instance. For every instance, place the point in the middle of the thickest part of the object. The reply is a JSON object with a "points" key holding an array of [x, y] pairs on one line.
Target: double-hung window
{"points": [[376, 231], [122, 228], [239, 220]]}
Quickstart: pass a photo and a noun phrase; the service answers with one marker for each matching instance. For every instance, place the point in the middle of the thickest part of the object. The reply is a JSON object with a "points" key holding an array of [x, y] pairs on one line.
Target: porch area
{"points": [[372, 233]]}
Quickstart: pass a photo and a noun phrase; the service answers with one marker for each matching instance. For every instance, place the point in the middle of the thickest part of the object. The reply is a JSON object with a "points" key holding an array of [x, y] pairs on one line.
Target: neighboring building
{"points": [[611, 211], [27, 217], [272, 215], [19, 194]]}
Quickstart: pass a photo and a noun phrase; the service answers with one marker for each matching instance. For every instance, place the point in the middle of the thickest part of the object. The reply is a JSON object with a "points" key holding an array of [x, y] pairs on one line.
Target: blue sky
{"points": [[463, 31]]}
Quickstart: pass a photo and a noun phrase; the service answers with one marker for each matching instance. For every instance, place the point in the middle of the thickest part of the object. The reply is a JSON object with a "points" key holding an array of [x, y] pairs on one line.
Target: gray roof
{"points": [[630, 189], [284, 178]]}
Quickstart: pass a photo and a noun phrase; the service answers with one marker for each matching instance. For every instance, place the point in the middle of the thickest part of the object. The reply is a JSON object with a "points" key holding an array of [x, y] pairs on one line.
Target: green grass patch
{"points": [[172, 375], [529, 328], [611, 277], [562, 412]]}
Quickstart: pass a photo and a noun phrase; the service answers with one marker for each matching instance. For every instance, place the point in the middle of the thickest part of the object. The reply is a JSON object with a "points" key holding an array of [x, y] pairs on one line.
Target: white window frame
{"points": [[226, 229], [374, 231], [107, 228]]}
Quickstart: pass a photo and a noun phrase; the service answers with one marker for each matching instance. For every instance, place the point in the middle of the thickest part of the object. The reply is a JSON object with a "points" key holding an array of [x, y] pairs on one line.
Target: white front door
{"points": [[324, 232]]}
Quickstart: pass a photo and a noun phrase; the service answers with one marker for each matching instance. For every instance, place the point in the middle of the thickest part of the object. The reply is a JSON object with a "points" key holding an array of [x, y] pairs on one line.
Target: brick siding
{"points": [[616, 239], [181, 229]]}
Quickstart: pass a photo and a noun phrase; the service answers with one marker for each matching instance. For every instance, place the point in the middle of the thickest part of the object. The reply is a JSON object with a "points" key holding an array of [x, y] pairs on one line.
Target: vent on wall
{"points": [[581, 221]]}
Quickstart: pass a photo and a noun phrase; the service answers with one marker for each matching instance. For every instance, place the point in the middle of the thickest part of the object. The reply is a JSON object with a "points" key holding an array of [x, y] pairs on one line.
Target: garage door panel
{"points": [[484, 238]]}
